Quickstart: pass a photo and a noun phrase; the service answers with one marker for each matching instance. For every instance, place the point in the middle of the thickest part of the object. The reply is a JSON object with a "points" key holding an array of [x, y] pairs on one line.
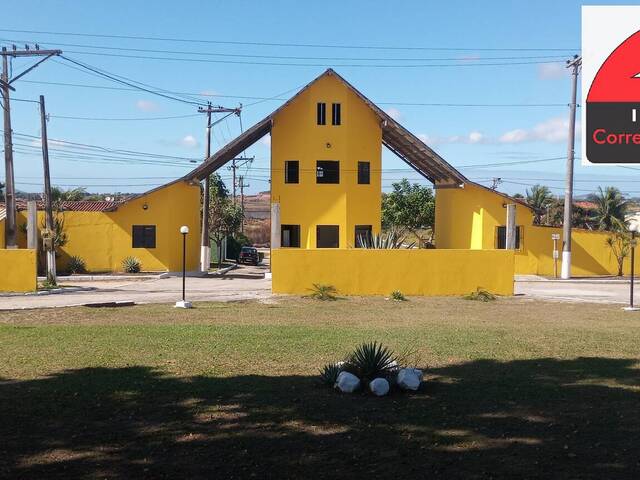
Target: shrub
{"points": [[481, 295], [384, 241], [329, 373], [398, 296], [323, 292], [131, 265], [235, 244], [371, 360], [76, 265]]}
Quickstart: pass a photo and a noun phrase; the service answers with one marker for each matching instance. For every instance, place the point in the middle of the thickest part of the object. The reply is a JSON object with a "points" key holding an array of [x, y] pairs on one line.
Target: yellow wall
{"points": [[296, 136], [103, 239], [379, 272], [468, 218], [17, 270]]}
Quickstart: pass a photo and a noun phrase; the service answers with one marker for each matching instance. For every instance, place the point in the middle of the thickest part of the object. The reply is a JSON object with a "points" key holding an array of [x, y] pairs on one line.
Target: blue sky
{"points": [[464, 136]]}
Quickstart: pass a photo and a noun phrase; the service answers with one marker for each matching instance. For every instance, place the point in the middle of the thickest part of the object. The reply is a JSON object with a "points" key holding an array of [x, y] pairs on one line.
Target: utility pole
{"points": [[48, 211], [5, 85], [234, 167], [574, 64], [205, 243], [241, 184]]}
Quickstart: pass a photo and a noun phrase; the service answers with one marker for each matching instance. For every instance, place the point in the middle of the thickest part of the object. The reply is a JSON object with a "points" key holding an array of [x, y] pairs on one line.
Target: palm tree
{"points": [[539, 198], [611, 208]]}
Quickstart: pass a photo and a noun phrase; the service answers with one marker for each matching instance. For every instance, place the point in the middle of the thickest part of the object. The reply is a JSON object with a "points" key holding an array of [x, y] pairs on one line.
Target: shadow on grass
{"points": [[540, 418]]}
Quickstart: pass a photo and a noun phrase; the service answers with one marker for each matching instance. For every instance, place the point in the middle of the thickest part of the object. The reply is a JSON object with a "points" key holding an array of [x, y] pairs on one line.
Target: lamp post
{"points": [[184, 230], [633, 228]]}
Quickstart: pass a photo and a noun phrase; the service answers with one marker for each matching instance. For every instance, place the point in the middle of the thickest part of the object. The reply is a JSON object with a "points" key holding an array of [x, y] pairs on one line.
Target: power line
{"points": [[305, 45], [122, 119]]}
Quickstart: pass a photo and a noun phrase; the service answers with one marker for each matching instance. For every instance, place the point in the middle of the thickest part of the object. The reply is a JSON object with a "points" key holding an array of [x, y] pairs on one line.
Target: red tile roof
{"points": [[72, 206]]}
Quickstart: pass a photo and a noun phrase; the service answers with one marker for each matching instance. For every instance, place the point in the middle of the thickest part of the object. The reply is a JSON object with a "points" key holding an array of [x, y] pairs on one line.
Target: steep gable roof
{"points": [[394, 136]]}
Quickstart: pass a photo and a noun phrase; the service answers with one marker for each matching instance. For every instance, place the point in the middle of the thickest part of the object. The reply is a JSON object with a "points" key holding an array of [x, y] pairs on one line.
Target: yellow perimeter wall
{"points": [[469, 217], [18, 271], [103, 239], [379, 272]]}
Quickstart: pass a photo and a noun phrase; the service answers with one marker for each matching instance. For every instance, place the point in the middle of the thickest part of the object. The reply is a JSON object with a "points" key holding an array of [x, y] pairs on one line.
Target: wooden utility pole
{"points": [[205, 242], [5, 87], [234, 167], [48, 209], [574, 64]]}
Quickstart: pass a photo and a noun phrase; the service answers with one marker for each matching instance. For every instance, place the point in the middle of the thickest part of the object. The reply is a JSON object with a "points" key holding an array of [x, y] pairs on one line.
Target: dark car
{"points": [[249, 255]]}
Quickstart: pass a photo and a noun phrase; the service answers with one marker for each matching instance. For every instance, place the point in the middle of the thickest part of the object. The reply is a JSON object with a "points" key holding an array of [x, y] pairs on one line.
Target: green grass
{"points": [[513, 388]]}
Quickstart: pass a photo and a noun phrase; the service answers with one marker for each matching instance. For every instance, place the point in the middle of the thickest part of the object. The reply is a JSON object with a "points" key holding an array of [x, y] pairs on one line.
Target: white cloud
{"points": [[472, 137], [147, 106], [209, 93], [189, 141], [553, 130], [552, 71], [394, 113]]}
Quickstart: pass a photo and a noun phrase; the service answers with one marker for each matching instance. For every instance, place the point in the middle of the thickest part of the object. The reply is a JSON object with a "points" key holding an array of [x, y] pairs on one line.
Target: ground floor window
{"points": [[143, 236], [363, 234], [290, 236], [327, 236], [501, 237]]}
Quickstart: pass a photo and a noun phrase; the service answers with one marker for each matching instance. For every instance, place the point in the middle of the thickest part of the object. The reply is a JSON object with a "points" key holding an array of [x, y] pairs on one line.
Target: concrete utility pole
{"points": [[5, 86], [574, 64], [48, 209], [205, 243], [241, 184], [510, 234], [234, 167]]}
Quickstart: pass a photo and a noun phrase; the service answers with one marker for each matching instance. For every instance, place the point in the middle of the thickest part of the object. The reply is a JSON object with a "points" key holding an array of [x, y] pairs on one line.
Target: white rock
{"points": [[409, 378], [379, 387], [347, 382]]}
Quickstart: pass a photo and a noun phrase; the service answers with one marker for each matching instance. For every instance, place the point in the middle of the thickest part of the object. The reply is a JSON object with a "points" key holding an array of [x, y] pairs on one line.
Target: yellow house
{"points": [[145, 226]]}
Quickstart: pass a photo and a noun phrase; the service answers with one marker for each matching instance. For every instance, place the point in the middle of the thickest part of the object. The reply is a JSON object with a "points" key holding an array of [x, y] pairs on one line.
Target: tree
{"points": [[620, 244], [539, 198], [225, 217], [611, 209], [409, 207]]}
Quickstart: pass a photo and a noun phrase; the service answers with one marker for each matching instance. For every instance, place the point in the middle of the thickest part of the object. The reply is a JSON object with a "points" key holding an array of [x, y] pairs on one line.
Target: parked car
{"points": [[249, 255]]}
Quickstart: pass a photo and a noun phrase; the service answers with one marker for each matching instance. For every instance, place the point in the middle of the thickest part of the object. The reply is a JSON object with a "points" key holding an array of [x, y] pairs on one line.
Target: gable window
{"points": [[143, 236], [290, 236], [364, 176], [327, 236], [335, 114], [363, 234], [321, 113], [291, 171], [327, 171], [501, 237]]}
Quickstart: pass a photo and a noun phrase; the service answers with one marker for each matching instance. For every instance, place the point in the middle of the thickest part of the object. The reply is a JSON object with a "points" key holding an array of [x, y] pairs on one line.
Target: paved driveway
{"points": [[245, 283], [599, 291]]}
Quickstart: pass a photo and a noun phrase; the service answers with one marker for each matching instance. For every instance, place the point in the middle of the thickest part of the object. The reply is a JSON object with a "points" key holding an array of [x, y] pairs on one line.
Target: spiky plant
{"points": [[383, 241], [76, 264], [398, 296], [131, 265], [329, 373], [371, 360], [481, 295], [321, 291]]}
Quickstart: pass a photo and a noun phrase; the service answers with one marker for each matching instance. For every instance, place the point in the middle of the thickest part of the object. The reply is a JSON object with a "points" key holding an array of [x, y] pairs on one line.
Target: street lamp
{"points": [[633, 228], [184, 230]]}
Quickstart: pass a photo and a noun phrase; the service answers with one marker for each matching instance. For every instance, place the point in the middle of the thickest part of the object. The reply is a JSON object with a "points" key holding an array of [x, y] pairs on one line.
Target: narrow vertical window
{"points": [[335, 114], [321, 113], [501, 237], [290, 236], [291, 171], [364, 175]]}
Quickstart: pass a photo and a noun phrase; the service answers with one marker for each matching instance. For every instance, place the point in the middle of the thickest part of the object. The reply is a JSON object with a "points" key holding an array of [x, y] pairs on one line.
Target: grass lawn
{"points": [[514, 389]]}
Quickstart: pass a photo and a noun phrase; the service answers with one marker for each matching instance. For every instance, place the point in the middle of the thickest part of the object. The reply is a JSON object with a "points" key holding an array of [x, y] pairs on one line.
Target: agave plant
{"points": [[371, 360], [76, 264], [329, 373], [131, 265], [398, 296], [320, 291], [481, 295], [383, 241]]}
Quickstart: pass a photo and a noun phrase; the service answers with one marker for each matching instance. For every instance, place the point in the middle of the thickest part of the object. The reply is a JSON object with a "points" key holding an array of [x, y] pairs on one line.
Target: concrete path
{"points": [[245, 283], [583, 290]]}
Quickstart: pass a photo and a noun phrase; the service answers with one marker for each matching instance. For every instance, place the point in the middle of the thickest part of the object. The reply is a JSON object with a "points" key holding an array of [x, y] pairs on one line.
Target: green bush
{"points": [[76, 265], [371, 360], [480, 295], [398, 296], [235, 244], [323, 292], [131, 265], [329, 373]]}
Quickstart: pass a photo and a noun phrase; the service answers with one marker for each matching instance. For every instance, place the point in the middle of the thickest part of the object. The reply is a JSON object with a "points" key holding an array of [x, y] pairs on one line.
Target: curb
{"points": [[53, 291]]}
